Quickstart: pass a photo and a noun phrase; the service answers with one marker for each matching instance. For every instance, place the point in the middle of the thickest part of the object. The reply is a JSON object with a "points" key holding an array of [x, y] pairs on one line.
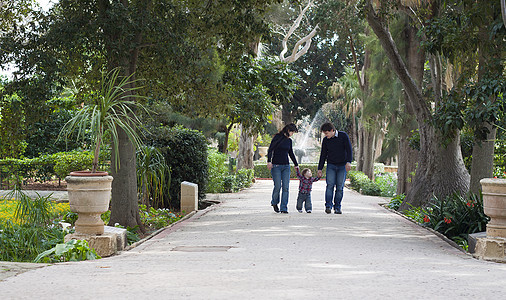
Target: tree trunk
{"points": [[441, 170], [124, 206], [287, 115], [125, 54], [368, 153], [408, 157], [482, 165], [245, 155]]}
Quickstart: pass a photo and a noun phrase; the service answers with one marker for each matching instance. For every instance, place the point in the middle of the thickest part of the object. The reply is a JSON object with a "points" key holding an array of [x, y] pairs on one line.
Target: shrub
{"points": [[370, 188], [185, 152], [456, 215], [245, 178], [387, 183], [66, 162], [22, 243], [217, 171], [357, 180], [396, 202], [157, 218]]}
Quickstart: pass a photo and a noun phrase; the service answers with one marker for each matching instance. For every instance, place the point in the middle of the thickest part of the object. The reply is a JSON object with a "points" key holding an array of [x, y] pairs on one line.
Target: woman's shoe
{"points": [[275, 207]]}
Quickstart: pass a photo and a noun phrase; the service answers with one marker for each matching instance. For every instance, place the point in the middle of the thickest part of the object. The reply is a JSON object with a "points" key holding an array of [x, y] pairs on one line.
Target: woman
{"points": [[277, 161]]}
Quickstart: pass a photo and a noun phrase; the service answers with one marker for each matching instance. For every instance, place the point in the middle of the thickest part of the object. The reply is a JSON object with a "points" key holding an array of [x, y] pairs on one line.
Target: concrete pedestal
{"points": [[491, 248], [189, 197], [112, 240]]}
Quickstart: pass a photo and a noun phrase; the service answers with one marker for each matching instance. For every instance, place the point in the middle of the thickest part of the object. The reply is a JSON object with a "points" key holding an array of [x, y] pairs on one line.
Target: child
{"points": [[305, 185]]}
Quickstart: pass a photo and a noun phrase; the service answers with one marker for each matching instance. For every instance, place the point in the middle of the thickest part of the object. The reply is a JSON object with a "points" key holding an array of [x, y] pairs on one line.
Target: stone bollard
{"points": [[189, 197]]}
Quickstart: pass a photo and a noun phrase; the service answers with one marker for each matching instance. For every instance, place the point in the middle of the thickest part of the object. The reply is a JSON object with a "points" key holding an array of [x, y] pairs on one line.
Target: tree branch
{"points": [[307, 39]]}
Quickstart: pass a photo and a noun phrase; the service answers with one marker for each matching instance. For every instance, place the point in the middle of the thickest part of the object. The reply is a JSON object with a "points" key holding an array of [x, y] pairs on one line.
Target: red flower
{"points": [[426, 219], [448, 221]]}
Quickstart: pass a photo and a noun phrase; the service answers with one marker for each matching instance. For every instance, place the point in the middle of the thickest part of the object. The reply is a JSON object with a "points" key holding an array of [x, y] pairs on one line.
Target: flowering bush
{"points": [[455, 216], [387, 183], [157, 218]]}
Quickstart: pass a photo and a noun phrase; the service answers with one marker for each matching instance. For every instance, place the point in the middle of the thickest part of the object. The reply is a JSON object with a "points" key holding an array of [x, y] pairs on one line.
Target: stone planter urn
{"points": [[494, 206], [262, 151], [89, 197]]}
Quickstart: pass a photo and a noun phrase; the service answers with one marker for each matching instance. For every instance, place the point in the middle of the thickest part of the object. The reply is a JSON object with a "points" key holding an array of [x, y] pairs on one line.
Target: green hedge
{"points": [[261, 170], [46, 167], [185, 151]]}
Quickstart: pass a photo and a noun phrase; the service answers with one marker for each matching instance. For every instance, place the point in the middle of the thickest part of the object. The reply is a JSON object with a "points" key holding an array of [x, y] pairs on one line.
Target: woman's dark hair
{"points": [[288, 128], [327, 127]]}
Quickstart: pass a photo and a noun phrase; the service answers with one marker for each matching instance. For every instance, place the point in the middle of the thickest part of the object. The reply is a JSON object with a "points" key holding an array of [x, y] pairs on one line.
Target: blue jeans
{"points": [[281, 177], [336, 176], [306, 199]]}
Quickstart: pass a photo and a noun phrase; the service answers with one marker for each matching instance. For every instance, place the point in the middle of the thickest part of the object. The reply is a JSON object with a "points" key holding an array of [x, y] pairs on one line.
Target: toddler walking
{"points": [[305, 186]]}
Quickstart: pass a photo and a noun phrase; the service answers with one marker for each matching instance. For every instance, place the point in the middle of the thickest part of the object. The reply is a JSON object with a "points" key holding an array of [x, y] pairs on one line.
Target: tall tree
{"points": [[473, 47], [431, 177]]}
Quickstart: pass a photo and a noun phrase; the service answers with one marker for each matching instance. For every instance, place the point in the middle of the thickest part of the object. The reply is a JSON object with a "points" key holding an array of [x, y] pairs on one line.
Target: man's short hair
{"points": [[327, 127]]}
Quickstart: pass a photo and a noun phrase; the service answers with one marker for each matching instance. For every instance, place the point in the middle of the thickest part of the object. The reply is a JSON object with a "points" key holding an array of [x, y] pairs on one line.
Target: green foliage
{"points": [[108, 109], [456, 215], [217, 171], [220, 178], [157, 218], [153, 176], [37, 212], [257, 85], [45, 167], [396, 201], [73, 250], [22, 243], [358, 180], [387, 182], [66, 162], [12, 127], [185, 151], [43, 135]]}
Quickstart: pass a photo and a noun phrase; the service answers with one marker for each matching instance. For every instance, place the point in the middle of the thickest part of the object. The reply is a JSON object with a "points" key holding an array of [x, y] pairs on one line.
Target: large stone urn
{"points": [[493, 246], [262, 151], [89, 197], [494, 205]]}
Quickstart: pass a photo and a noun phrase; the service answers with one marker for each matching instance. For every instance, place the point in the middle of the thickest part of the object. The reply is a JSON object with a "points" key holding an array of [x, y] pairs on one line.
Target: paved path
{"points": [[241, 249]]}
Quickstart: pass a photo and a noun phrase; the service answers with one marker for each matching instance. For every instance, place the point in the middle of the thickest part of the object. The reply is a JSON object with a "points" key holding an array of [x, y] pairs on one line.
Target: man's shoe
{"points": [[308, 211], [327, 210], [276, 208], [338, 212], [299, 210], [283, 212]]}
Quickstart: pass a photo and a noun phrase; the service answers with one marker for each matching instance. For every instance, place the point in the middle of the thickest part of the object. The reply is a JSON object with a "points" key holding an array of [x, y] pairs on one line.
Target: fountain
{"points": [[307, 141]]}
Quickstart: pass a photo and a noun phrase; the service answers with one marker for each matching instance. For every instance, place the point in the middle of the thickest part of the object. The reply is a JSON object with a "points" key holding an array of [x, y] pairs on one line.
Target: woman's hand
{"points": [[348, 167], [269, 165]]}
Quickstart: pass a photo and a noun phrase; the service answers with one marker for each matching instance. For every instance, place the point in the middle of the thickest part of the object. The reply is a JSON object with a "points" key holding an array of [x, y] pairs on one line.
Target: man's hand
{"points": [[348, 167], [269, 165]]}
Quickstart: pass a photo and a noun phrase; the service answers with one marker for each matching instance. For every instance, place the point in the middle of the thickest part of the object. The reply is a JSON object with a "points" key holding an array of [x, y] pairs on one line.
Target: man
{"points": [[336, 150]]}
